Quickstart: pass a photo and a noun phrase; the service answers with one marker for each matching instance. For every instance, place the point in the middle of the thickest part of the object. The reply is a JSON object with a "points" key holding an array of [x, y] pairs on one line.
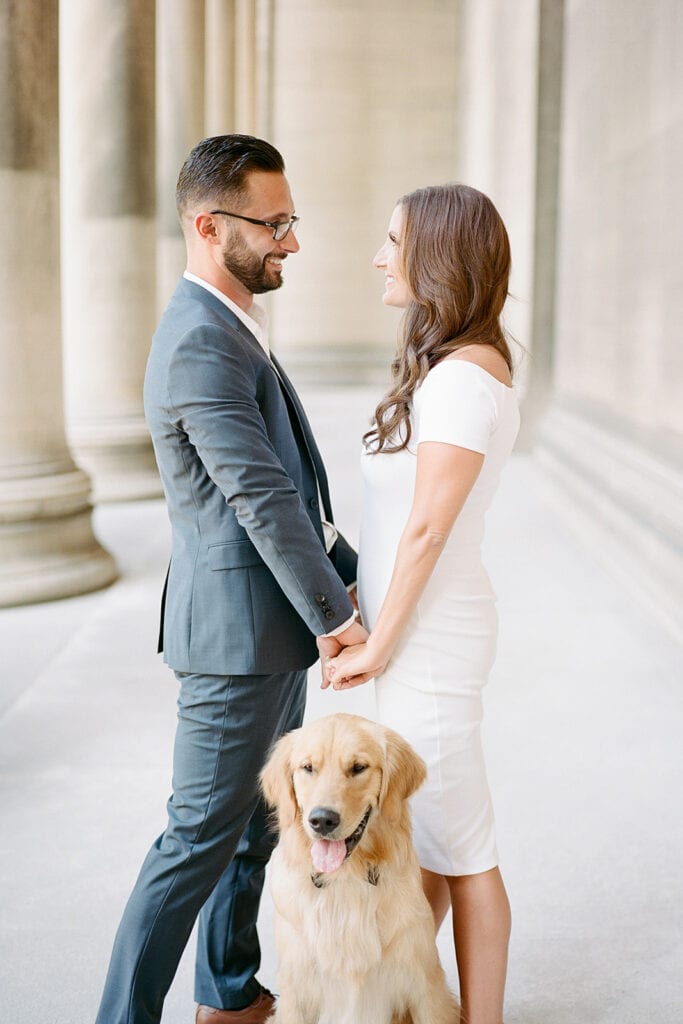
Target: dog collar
{"points": [[373, 874], [318, 877]]}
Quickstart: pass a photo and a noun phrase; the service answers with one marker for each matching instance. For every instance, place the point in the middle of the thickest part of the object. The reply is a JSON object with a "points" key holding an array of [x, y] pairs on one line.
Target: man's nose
{"points": [[290, 242]]}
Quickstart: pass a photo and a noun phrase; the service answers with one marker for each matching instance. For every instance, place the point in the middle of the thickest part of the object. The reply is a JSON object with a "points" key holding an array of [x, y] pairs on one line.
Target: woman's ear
{"points": [[277, 782]]}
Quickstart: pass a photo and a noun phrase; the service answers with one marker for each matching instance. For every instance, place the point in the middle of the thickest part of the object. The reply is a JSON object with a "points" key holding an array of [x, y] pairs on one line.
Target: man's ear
{"points": [[205, 226], [277, 781]]}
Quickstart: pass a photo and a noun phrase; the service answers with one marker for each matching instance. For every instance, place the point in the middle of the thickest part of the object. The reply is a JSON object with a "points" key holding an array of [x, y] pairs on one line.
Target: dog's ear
{"points": [[404, 772], [276, 780]]}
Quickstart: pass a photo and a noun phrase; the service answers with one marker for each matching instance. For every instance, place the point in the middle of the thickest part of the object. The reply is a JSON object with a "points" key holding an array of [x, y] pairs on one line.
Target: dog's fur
{"points": [[355, 946]]}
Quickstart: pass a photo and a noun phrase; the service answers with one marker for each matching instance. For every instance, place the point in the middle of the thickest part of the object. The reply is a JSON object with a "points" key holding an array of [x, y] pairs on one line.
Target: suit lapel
{"points": [[297, 408], [232, 321]]}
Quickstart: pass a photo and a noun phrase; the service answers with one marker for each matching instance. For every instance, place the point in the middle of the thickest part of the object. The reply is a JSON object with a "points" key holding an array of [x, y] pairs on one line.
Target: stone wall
{"points": [[612, 439]]}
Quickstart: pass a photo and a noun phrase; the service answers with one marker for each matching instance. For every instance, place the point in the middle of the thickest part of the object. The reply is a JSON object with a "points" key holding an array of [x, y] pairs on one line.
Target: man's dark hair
{"points": [[217, 168]]}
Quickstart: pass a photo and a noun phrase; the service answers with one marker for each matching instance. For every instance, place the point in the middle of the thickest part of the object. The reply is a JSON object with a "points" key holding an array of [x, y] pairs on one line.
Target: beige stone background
{"points": [[569, 114]]}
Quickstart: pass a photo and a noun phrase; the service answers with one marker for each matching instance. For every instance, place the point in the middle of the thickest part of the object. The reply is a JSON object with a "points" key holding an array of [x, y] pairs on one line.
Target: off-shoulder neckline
{"points": [[468, 362]]}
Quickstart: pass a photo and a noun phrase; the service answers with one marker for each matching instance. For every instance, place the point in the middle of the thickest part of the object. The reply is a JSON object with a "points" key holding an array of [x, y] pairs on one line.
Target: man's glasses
{"points": [[280, 228]]}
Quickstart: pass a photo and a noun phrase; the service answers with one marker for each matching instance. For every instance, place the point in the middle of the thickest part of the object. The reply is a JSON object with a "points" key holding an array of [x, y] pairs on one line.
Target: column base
{"points": [[47, 546], [118, 458], [129, 475]]}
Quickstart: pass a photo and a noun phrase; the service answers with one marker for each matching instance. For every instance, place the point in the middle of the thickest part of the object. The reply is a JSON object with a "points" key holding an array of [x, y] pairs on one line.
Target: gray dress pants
{"points": [[212, 854]]}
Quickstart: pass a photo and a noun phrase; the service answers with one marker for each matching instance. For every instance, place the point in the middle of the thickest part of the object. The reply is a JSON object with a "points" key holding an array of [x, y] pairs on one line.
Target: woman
{"points": [[431, 465]]}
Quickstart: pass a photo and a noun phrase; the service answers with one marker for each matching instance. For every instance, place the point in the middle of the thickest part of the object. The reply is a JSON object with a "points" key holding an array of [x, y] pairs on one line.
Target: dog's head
{"points": [[336, 777]]}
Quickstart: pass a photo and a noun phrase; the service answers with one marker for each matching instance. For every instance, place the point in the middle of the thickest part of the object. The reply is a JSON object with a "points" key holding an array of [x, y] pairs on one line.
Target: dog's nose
{"points": [[323, 820]]}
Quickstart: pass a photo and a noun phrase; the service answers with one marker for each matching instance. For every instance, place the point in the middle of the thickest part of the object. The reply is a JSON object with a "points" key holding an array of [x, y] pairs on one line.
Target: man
{"points": [[250, 586]]}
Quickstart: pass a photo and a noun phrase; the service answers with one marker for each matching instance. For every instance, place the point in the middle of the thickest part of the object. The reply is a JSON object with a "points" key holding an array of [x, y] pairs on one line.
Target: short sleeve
{"points": [[457, 404]]}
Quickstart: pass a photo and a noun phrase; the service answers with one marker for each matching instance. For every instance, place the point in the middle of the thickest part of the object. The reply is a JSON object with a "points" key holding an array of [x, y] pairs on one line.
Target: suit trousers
{"points": [[212, 856]]}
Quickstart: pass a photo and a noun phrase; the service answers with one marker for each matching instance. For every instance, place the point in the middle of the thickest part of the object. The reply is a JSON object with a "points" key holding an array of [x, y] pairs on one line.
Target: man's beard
{"points": [[243, 263]]}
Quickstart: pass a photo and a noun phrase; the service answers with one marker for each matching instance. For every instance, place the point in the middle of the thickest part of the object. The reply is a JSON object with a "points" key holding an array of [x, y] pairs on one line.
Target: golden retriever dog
{"points": [[354, 931]]}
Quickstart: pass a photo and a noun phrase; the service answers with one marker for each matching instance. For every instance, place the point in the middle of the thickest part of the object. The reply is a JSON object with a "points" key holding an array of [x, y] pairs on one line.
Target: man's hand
{"points": [[355, 634], [355, 665], [330, 646]]}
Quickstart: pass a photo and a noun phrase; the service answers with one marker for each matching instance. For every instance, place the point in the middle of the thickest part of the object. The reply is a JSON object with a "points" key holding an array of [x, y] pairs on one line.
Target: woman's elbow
{"points": [[427, 535]]}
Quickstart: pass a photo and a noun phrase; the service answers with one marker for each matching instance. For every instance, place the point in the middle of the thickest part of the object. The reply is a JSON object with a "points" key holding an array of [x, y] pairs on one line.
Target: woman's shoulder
{"points": [[464, 402], [484, 358]]}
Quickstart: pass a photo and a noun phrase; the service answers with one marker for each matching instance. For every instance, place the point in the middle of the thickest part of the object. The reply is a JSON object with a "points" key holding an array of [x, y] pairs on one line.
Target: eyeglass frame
{"points": [[274, 224]]}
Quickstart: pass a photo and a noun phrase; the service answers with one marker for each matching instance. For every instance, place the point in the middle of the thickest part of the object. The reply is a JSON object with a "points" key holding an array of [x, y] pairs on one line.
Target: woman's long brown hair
{"points": [[455, 256]]}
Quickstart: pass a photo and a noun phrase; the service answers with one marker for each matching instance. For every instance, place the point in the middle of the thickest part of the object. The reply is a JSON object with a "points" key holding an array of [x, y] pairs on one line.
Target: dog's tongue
{"points": [[328, 854]]}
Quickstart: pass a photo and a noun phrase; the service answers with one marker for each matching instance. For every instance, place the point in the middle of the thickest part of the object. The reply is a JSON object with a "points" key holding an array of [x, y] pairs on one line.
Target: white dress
{"points": [[430, 691]]}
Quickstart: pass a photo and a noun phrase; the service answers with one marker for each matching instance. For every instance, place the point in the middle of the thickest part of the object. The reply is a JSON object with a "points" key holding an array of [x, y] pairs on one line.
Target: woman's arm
{"points": [[445, 476]]}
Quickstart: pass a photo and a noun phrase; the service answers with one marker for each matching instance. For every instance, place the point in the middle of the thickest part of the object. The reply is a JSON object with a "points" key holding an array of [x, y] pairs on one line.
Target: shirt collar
{"points": [[256, 320]]}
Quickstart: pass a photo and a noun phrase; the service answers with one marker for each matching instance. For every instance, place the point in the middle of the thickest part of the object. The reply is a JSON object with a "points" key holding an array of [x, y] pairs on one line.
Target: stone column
{"points": [[238, 66], [47, 548], [220, 67], [360, 120], [108, 237], [543, 290], [246, 66], [498, 125], [180, 123]]}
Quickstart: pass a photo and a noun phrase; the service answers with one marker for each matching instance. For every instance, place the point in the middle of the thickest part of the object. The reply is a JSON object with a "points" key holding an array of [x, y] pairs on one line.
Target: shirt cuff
{"points": [[345, 625]]}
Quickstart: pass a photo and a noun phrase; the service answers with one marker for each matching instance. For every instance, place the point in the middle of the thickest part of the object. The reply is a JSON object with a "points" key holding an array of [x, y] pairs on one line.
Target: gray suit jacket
{"points": [[250, 584]]}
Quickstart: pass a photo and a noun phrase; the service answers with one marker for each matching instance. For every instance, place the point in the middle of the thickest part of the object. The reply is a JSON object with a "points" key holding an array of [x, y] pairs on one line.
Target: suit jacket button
{"points": [[329, 614], [314, 504]]}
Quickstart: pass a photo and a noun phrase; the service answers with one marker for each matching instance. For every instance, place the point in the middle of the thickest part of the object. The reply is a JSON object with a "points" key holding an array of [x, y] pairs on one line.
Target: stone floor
{"points": [[582, 733]]}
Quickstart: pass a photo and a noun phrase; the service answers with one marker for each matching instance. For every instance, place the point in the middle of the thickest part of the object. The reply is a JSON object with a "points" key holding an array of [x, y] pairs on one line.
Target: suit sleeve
{"points": [[211, 390], [345, 560]]}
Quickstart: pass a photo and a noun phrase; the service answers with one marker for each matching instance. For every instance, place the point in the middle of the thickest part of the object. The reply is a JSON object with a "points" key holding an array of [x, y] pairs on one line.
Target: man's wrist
{"points": [[344, 626]]}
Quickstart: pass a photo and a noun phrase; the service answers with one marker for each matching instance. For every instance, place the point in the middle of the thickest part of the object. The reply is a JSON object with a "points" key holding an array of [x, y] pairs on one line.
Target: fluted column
{"points": [[220, 67], [47, 547], [180, 123], [239, 66], [108, 237], [246, 65]]}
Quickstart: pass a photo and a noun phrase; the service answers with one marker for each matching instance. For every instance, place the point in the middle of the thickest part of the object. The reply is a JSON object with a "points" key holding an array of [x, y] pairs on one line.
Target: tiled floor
{"points": [[582, 733]]}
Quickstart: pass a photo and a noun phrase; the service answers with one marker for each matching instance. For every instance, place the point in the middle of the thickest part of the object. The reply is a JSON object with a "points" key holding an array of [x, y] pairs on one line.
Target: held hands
{"points": [[330, 646], [354, 666]]}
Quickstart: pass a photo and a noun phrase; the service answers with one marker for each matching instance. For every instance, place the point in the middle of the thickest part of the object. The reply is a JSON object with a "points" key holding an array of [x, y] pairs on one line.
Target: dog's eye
{"points": [[307, 767], [357, 768]]}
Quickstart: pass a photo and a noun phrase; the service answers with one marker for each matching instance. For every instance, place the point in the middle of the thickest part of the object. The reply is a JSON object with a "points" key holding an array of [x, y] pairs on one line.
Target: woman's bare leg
{"points": [[481, 930], [438, 895]]}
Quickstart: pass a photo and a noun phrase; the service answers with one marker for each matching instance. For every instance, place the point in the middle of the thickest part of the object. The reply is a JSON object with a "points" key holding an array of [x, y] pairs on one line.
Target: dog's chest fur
{"points": [[347, 920]]}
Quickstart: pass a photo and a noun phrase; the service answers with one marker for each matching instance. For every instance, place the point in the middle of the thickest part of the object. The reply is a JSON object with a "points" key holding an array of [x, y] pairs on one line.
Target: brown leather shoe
{"points": [[257, 1012]]}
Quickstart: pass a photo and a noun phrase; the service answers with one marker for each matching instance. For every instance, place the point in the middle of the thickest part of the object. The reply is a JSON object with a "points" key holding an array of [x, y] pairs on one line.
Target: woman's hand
{"points": [[330, 646], [355, 666]]}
